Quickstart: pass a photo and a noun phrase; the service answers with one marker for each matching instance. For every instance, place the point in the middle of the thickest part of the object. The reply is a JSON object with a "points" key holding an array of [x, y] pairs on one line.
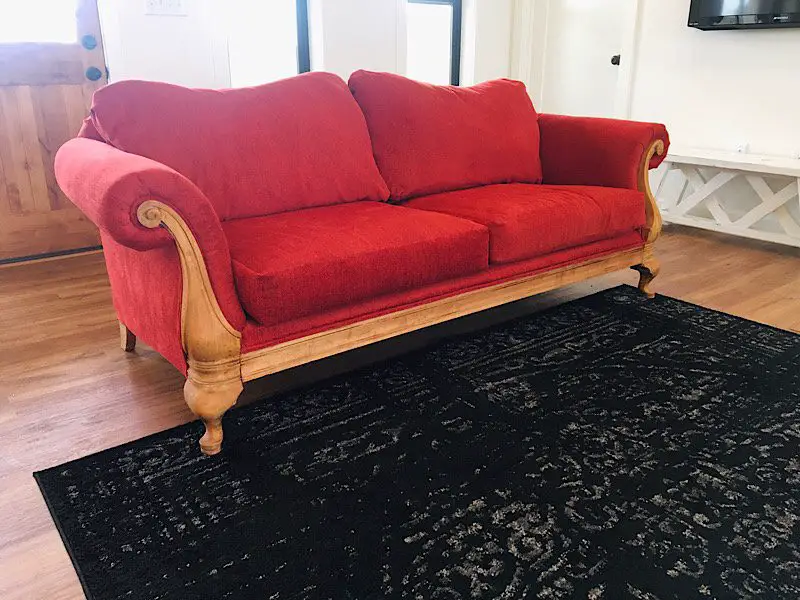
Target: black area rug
{"points": [[610, 448]]}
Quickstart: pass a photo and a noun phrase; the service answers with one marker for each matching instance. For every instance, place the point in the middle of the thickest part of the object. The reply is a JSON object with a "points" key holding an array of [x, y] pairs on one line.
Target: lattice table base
{"points": [[703, 185]]}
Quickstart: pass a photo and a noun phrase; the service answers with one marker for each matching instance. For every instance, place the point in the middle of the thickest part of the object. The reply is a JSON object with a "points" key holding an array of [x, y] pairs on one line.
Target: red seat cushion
{"points": [[525, 221], [301, 263], [256, 336], [433, 138], [295, 143]]}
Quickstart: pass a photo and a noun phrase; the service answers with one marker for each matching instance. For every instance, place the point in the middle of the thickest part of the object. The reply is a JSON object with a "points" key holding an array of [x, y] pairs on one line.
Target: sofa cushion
{"points": [[291, 144], [256, 336], [525, 221], [430, 138], [301, 263]]}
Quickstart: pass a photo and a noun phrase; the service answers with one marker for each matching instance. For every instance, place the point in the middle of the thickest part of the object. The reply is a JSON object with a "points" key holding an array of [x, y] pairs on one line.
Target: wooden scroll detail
{"points": [[212, 345], [653, 220]]}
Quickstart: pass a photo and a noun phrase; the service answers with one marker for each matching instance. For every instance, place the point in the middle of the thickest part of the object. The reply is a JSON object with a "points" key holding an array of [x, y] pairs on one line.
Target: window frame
{"points": [[455, 35], [303, 38]]}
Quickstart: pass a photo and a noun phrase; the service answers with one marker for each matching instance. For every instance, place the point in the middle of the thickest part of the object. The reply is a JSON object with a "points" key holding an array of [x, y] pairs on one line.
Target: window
{"points": [[267, 41], [303, 39], [38, 21], [433, 51]]}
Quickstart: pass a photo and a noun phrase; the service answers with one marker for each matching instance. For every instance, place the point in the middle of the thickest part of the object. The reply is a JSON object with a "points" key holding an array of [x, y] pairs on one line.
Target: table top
{"points": [[776, 165]]}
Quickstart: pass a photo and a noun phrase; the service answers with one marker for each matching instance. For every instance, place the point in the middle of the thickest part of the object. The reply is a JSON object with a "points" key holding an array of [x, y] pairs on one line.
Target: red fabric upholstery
{"points": [[286, 145], [301, 263], [146, 289], [108, 185], [590, 151], [256, 336], [531, 220], [430, 139]]}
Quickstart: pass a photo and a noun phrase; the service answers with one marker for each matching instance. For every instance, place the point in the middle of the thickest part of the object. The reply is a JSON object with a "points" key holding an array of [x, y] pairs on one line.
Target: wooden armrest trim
{"points": [[212, 345], [198, 295], [653, 221]]}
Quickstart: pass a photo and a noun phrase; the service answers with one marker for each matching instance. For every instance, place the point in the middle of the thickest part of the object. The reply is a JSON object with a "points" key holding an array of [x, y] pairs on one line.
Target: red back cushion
{"points": [[432, 138], [291, 144]]}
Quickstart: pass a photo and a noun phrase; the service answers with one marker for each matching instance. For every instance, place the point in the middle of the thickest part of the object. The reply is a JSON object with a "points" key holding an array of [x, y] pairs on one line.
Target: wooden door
{"points": [[51, 60]]}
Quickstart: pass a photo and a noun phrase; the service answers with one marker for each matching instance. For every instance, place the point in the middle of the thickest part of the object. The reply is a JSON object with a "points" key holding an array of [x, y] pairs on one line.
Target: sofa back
{"points": [[436, 138], [296, 143]]}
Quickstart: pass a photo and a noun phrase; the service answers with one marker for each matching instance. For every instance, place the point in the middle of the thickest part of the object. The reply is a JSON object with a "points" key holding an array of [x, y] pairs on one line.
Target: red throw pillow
{"points": [[432, 138], [295, 143]]}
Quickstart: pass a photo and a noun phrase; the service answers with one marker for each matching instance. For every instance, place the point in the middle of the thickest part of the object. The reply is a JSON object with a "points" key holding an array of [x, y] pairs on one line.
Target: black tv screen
{"points": [[744, 14]]}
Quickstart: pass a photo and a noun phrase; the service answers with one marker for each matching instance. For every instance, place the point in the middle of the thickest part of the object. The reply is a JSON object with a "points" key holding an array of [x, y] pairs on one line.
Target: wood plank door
{"points": [[51, 61]]}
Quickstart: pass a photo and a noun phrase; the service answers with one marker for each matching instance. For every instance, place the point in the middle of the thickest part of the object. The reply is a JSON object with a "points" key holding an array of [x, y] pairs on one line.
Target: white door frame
{"points": [[630, 55]]}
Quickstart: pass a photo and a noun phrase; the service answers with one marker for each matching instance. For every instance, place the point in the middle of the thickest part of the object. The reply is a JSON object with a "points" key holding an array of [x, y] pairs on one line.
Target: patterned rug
{"points": [[609, 448]]}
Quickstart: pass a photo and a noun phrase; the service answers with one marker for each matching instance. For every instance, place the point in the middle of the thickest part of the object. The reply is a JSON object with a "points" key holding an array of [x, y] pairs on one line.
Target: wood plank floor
{"points": [[67, 390]]}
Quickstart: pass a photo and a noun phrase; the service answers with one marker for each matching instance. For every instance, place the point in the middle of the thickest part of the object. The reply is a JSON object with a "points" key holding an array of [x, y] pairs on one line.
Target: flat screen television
{"points": [[744, 14]]}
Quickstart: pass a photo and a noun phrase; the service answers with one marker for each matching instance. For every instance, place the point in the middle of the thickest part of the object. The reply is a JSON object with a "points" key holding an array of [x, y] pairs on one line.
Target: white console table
{"points": [[772, 214]]}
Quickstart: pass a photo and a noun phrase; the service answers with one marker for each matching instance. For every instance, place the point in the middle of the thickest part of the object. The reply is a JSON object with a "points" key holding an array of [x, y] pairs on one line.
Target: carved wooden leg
{"points": [[127, 339], [210, 390], [648, 271], [211, 343]]}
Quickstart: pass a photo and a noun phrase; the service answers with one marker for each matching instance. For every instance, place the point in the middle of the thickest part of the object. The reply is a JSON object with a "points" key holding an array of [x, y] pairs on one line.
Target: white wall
{"points": [[187, 50], [261, 40], [192, 50], [370, 34], [528, 44], [357, 34], [717, 89], [486, 40]]}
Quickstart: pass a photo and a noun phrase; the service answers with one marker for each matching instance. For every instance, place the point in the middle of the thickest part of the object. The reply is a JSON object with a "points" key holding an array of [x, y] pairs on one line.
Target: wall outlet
{"points": [[173, 8], [743, 147]]}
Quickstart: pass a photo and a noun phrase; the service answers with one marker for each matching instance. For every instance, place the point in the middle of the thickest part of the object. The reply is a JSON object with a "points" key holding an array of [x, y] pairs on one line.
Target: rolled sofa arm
{"points": [[143, 205], [170, 269], [592, 151], [605, 152]]}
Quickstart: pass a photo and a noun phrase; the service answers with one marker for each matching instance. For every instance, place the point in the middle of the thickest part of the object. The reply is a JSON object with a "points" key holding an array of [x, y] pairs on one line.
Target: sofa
{"points": [[248, 231]]}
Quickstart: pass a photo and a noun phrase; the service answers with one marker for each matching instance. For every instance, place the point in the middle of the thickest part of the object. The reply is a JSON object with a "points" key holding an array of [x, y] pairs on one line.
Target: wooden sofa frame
{"points": [[217, 368]]}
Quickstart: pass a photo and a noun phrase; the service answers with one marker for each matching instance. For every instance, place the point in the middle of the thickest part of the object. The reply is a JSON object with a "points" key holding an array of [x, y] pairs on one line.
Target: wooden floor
{"points": [[67, 390]]}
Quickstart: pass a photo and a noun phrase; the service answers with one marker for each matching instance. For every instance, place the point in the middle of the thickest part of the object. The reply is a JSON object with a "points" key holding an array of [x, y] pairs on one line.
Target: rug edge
{"points": [[67, 546], [696, 305]]}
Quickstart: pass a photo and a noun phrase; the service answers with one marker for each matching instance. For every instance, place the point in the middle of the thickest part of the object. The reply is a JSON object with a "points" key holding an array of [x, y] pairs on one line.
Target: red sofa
{"points": [[251, 230]]}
